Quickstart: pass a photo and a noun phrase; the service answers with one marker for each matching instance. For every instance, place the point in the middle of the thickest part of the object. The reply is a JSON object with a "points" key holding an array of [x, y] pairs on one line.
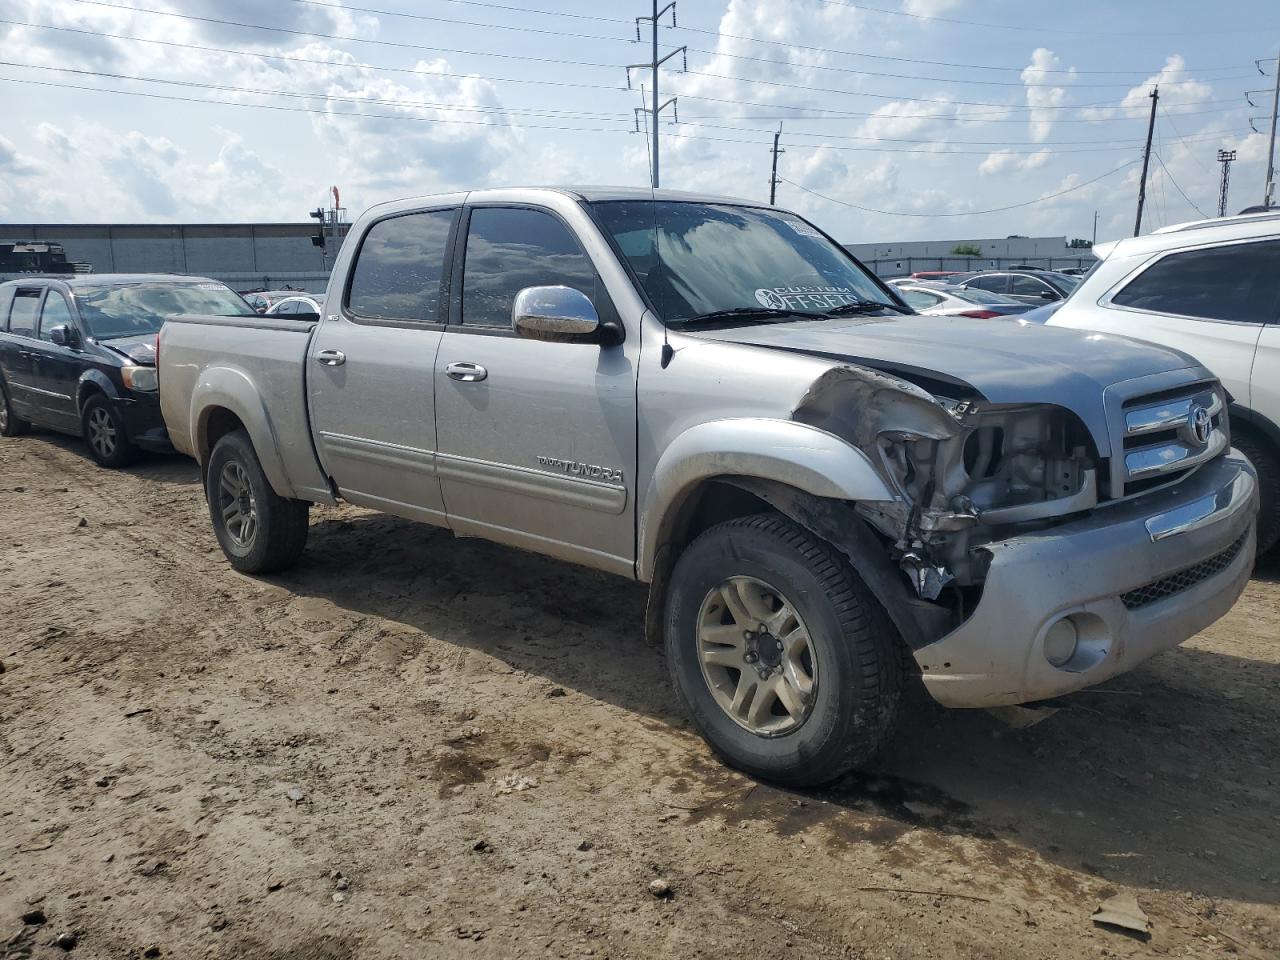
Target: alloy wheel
{"points": [[757, 656], [102, 432], [238, 505]]}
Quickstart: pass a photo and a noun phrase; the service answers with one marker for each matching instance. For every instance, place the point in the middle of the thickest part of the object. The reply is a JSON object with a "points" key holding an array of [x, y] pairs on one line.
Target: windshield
{"points": [[136, 309], [695, 259]]}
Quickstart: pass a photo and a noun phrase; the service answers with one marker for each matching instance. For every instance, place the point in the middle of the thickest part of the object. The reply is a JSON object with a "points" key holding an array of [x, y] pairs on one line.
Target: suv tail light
{"points": [[978, 314]]}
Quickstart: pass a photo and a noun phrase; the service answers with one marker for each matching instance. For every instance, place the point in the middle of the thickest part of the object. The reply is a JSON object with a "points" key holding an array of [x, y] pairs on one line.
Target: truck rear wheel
{"points": [[258, 530], [1266, 460], [786, 663]]}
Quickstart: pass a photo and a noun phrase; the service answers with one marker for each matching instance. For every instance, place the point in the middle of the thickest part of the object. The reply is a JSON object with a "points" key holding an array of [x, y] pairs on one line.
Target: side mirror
{"points": [[62, 335], [1050, 296], [558, 314]]}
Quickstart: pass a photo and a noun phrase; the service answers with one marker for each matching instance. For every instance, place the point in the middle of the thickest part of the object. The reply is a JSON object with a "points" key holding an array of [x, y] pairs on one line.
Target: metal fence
{"points": [[905, 266], [303, 282]]}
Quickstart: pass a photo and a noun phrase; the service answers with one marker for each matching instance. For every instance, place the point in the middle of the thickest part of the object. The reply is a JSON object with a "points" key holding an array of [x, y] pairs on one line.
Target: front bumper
{"points": [[143, 421], [1136, 578]]}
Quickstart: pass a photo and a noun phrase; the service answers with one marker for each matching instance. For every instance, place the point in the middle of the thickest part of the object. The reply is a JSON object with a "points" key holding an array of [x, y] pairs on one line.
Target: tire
{"points": [[258, 530], [1266, 460], [847, 680], [105, 433], [11, 425]]}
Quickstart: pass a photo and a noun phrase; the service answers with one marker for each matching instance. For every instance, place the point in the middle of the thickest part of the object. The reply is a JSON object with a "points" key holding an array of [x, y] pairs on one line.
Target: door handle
{"points": [[466, 372], [331, 358]]}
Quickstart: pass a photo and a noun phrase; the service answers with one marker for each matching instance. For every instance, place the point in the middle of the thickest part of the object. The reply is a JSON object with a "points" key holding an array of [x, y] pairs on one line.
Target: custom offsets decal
{"points": [[805, 298]]}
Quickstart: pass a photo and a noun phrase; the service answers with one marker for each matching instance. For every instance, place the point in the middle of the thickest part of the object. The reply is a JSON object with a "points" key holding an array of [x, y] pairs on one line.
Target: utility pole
{"points": [[773, 177], [1146, 160], [1268, 192], [1225, 157], [653, 66], [1095, 228]]}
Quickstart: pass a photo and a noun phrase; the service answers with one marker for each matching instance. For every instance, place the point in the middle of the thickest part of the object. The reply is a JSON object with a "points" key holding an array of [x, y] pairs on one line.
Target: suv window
{"points": [[399, 271], [1020, 286], [996, 284], [23, 313], [56, 311], [1239, 282], [509, 249]]}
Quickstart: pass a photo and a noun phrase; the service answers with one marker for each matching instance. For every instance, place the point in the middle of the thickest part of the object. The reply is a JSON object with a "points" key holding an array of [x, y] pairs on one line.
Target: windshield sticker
{"points": [[802, 228], [805, 298]]}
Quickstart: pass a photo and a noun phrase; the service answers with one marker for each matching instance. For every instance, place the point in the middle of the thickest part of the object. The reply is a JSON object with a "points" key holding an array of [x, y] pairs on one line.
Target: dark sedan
{"points": [[77, 355]]}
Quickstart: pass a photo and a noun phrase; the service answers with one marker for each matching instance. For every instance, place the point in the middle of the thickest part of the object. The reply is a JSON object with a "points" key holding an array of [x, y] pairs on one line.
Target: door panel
{"points": [[17, 359], [56, 370], [374, 415], [370, 374], [537, 448], [1266, 374]]}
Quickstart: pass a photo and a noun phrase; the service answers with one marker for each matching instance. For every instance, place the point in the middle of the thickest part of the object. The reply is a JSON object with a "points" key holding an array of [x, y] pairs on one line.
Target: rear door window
{"points": [[25, 311], [399, 270], [996, 284], [1239, 283]]}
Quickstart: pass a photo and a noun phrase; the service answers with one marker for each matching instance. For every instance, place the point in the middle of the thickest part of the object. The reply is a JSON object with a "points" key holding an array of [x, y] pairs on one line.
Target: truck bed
{"points": [[255, 368]]}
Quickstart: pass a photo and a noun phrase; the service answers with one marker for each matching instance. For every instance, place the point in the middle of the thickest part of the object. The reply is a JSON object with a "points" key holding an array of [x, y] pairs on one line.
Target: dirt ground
{"points": [[414, 746]]}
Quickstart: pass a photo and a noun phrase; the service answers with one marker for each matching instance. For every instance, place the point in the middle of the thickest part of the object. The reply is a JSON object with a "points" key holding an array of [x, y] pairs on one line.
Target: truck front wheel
{"points": [[787, 665], [258, 530]]}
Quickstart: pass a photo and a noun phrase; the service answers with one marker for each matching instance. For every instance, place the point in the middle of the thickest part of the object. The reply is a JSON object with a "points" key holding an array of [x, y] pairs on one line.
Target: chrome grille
{"points": [[1184, 579], [1169, 433]]}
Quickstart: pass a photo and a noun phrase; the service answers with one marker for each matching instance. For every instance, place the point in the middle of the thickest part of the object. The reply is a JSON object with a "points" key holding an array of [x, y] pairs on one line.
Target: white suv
{"points": [[1212, 289]]}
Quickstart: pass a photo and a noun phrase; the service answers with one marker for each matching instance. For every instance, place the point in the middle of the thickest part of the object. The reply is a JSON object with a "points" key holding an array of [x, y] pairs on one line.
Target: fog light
{"points": [[1060, 642]]}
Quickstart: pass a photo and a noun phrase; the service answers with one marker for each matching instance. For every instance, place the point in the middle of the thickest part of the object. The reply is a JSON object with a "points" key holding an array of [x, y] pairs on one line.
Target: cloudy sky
{"points": [[900, 118]]}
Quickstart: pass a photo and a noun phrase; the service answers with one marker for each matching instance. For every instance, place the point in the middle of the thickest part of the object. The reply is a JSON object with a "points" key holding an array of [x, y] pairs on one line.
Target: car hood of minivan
{"points": [[1003, 361], [140, 349]]}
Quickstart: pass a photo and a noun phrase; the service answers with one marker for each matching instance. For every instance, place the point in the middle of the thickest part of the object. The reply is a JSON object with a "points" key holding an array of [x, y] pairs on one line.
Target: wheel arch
{"points": [[1254, 422], [784, 452], [91, 382], [225, 400]]}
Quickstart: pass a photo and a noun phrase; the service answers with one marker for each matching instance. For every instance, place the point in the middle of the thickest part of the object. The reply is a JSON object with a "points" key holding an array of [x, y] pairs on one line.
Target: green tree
{"points": [[966, 250]]}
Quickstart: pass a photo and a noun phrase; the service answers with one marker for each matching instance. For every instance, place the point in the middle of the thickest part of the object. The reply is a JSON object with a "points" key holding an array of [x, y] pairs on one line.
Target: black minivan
{"points": [[77, 355]]}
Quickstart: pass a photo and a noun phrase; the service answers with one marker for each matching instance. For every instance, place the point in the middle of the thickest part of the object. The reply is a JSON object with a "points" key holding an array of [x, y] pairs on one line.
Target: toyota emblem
{"points": [[1201, 424]]}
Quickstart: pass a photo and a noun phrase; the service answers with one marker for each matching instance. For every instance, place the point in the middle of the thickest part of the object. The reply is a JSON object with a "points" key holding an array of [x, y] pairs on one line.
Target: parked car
{"points": [[1029, 286], [1211, 288], [299, 307], [822, 489], [263, 300], [77, 355], [943, 301], [1074, 271], [935, 274]]}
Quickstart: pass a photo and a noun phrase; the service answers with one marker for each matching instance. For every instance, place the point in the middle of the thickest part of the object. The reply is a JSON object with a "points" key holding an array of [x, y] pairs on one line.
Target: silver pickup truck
{"points": [[828, 495]]}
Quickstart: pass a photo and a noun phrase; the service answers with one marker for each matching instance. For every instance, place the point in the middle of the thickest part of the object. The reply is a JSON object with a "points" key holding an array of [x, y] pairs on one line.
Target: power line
{"points": [[863, 8], [1179, 188], [310, 95], [967, 213], [342, 64], [729, 36], [588, 63], [314, 62]]}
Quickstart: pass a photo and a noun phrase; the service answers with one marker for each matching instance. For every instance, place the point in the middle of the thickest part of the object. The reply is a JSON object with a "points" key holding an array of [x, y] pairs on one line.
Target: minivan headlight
{"points": [[143, 379]]}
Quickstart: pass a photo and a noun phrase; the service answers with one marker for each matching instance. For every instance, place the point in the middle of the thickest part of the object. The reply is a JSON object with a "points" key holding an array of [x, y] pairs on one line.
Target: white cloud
{"points": [[1043, 97], [929, 8], [1002, 161]]}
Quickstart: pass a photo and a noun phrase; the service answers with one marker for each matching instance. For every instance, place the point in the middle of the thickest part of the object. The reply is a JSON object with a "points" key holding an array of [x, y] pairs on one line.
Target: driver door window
{"points": [[509, 249], [1030, 287]]}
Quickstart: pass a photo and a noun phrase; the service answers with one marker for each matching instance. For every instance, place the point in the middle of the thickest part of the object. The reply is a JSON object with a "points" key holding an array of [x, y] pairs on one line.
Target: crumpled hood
{"points": [[1003, 360], [140, 349]]}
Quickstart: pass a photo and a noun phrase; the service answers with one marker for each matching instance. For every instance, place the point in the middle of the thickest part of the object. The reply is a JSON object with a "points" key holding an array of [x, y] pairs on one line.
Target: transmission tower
{"points": [[1225, 157], [652, 66]]}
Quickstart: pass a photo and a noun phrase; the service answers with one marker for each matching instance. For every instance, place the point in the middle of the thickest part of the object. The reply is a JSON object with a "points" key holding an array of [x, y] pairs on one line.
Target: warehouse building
{"points": [[901, 259], [243, 255]]}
